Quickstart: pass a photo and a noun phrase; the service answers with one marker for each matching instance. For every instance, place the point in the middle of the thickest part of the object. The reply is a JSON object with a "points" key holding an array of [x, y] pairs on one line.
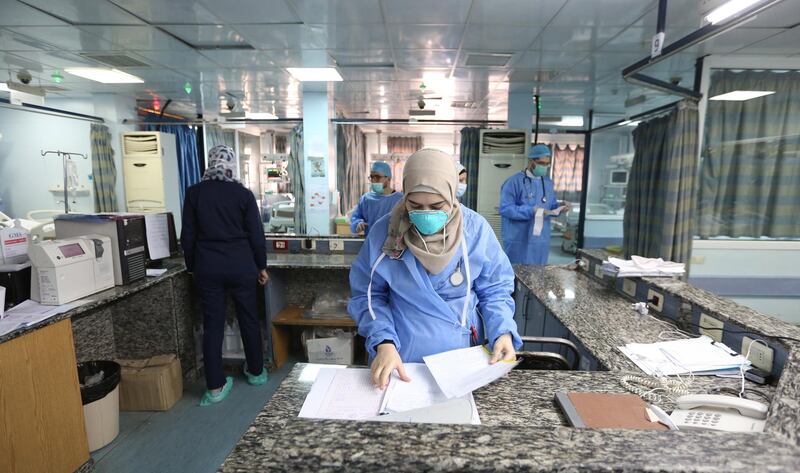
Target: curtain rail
{"points": [[50, 111]]}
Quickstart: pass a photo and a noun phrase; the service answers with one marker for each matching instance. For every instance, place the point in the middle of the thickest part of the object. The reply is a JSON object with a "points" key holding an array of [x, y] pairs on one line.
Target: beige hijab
{"points": [[432, 171]]}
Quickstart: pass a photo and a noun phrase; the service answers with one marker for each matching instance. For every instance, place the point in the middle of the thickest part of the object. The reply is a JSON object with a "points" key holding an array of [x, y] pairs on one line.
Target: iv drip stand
{"points": [[64, 157]]}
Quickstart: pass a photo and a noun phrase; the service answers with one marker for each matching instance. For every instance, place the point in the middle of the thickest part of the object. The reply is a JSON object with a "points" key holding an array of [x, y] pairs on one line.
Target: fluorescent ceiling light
{"points": [[315, 74], [742, 95], [105, 76], [728, 9], [4, 87], [260, 116], [566, 120], [629, 123]]}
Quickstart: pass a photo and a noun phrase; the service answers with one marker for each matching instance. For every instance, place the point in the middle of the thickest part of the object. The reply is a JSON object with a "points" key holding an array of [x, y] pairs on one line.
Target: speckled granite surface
{"points": [[306, 260], [522, 431]]}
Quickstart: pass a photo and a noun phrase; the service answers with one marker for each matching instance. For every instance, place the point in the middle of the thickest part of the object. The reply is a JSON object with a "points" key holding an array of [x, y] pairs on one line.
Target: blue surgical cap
{"points": [[382, 167], [539, 151]]}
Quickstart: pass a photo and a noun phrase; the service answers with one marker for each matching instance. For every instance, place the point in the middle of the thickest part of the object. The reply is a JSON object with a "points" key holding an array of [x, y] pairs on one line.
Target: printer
{"points": [[70, 269], [127, 233]]}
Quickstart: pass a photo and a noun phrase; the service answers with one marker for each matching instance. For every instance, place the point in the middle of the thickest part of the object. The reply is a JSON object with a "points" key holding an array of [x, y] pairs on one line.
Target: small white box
{"points": [[332, 351]]}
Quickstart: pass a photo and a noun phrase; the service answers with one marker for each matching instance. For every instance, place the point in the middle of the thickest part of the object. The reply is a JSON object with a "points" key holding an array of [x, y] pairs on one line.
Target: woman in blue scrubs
{"points": [[525, 197], [376, 203], [224, 247], [431, 276]]}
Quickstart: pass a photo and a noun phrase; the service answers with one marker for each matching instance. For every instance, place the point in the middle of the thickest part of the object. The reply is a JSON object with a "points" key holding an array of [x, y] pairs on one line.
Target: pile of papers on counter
{"points": [[639, 266], [440, 390], [698, 356]]}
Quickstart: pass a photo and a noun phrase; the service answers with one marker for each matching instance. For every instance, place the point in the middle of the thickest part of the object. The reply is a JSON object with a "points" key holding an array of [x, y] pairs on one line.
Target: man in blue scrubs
{"points": [[376, 203], [526, 199]]}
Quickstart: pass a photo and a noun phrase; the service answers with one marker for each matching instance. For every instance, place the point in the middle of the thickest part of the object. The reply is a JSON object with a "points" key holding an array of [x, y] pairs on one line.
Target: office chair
{"points": [[545, 360]]}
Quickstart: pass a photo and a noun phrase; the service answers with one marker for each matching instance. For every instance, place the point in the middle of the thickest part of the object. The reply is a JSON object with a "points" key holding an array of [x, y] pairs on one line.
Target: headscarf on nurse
{"points": [[525, 201], [376, 203], [431, 276]]}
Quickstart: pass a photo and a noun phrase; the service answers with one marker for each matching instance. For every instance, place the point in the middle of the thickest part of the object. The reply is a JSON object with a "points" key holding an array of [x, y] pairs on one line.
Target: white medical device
{"points": [[69, 269]]}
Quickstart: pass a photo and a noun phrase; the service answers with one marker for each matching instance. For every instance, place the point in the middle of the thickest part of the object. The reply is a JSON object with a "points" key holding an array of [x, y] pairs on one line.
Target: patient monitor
{"points": [[69, 269]]}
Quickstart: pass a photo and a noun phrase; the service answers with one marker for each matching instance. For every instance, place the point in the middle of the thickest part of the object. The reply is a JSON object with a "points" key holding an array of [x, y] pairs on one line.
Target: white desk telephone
{"points": [[716, 412]]}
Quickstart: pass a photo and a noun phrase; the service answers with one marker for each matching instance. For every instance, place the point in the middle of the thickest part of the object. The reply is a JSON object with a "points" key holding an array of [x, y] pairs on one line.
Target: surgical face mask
{"points": [[377, 187], [462, 188], [428, 222], [540, 170]]}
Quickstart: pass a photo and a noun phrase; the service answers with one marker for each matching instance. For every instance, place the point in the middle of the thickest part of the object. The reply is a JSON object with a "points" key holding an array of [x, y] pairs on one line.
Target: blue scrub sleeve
{"points": [[382, 328], [508, 204], [358, 216], [552, 200], [255, 233], [494, 287], [188, 231]]}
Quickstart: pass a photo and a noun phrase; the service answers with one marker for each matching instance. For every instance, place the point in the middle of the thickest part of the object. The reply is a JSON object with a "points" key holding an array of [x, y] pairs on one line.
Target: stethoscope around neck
{"points": [[456, 279], [529, 179]]}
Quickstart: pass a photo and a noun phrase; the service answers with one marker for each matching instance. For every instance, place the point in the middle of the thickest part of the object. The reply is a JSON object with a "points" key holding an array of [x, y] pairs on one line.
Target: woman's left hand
{"points": [[503, 349]]}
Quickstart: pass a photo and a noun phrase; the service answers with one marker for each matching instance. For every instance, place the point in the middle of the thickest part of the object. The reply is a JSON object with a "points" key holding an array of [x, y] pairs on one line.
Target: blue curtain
{"points": [[104, 171], [186, 142], [469, 153]]}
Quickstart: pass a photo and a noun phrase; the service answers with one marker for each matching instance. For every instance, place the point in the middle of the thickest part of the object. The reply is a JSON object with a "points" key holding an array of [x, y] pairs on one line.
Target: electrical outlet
{"points": [[585, 264], [629, 287], [598, 271], [336, 245], [711, 327], [309, 244], [761, 355], [280, 245], [655, 300]]}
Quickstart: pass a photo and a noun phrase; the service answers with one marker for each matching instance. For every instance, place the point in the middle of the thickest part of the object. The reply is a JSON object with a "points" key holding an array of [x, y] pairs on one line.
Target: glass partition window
{"points": [[750, 160]]}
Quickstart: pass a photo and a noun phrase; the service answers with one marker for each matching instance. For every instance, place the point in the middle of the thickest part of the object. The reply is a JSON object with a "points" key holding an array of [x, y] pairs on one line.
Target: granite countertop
{"points": [[310, 260], [521, 429], [174, 267]]}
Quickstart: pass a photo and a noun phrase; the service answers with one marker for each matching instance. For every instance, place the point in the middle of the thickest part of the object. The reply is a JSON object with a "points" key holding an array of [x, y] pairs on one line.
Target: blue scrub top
{"points": [[372, 207], [520, 196], [421, 312]]}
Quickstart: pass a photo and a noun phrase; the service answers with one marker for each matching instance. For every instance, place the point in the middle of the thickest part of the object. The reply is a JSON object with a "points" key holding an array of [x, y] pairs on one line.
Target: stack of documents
{"points": [[639, 266], [30, 312], [440, 391], [698, 356]]}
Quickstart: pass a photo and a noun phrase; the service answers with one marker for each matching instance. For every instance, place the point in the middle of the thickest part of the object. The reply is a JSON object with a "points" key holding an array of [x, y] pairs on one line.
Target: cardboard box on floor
{"points": [[154, 384]]}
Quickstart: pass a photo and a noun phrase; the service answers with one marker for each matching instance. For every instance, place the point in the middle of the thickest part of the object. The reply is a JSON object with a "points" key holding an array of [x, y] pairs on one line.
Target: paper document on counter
{"points": [[699, 356], [157, 229], [459, 372], [154, 273], [31, 312]]}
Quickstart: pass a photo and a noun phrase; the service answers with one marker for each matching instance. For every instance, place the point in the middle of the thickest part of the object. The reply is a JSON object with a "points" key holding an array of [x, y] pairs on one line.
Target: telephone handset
{"points": [[717, 412]]}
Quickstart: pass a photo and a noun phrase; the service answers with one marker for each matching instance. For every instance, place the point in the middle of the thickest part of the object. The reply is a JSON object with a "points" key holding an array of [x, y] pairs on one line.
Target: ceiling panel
{"points": [[638, 39], [513, 12], [425, 36], [67, 38], [220, 35], [45, 60], [601, 13], [173, 11], [361, 56], [339, 11], [367, 73], [297, 58], [239, 59], [368, 36], [482, 37], [13, 41], [425, 11], [251, 11], [575, 38], [549, 60], [425, 57], [87, 11], [188, 59], [731, 41], [783, 44], [143, 38], [285, 36], [785, 14], [19, 14]]}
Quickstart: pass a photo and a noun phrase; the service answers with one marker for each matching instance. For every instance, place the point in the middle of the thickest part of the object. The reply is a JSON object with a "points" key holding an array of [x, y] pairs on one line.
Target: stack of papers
{"points": [[30, 312], [698, 356], [440, 390], [639, 266]]}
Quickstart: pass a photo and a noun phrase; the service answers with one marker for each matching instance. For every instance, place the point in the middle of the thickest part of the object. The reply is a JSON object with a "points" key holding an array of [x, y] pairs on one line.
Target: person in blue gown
{"points": [[526, 197], [378, 201], [431, 276]]}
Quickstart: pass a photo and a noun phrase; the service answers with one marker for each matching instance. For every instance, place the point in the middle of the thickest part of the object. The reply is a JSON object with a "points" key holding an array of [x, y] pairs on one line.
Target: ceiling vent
{"points": [[487, 59], [634, 101], [115, 60], [421, 113]]}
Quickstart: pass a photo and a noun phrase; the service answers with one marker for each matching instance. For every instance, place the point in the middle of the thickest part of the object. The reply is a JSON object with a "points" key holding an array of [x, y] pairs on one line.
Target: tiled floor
{"points": [[187, 438]]}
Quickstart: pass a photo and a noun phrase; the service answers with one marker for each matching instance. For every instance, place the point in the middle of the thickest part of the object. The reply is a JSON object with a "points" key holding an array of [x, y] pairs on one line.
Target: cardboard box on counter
{"points": [[154, 384]]}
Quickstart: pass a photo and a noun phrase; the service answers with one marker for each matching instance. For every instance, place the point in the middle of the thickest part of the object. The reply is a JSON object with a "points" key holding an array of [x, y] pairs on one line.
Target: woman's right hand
{"points": [[386, 361], [263, 277], [361, 227]]}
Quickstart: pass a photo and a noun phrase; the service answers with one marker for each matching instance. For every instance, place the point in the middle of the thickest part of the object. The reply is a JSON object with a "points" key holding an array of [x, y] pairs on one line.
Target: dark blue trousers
{"points": [[213, 295]]}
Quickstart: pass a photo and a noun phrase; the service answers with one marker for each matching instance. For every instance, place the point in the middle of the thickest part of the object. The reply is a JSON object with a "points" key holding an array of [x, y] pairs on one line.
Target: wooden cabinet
{"points": [[41, 415]]}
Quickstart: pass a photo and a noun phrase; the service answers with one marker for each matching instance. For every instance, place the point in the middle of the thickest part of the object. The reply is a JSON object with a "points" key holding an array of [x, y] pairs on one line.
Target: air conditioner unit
{"points": [[503, 152], [150, 170]]}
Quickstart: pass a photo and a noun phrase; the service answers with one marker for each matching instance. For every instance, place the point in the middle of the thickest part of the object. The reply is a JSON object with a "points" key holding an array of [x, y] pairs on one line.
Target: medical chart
{"points": [[459, 372]]}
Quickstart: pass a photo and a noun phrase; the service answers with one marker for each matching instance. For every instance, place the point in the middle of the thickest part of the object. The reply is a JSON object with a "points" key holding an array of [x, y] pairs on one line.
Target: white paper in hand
{"points": [[459, 372]]}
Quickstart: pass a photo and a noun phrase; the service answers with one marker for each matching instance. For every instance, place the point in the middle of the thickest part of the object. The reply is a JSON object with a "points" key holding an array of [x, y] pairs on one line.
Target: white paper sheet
{"points": [[157, 227], [696, 355], [538, 221], [30, 312], [2, 302], [342, 394], [459, 372], [421, 391], [154, 273]]}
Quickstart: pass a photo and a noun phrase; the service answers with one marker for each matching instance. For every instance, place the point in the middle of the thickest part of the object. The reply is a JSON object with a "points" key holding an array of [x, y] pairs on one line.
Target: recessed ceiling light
{"points": [[315, 74], [260, 116], [742, 95], [630, 123], [105, 76], [727, 10]]}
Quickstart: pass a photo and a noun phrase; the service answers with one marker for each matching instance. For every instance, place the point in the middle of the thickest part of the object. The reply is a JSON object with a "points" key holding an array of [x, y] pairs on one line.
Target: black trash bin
{"points": [[100, 401]]}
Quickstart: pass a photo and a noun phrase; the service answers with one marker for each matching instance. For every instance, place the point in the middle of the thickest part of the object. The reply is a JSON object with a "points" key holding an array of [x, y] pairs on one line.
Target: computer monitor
{"points": [[618, 177]]}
